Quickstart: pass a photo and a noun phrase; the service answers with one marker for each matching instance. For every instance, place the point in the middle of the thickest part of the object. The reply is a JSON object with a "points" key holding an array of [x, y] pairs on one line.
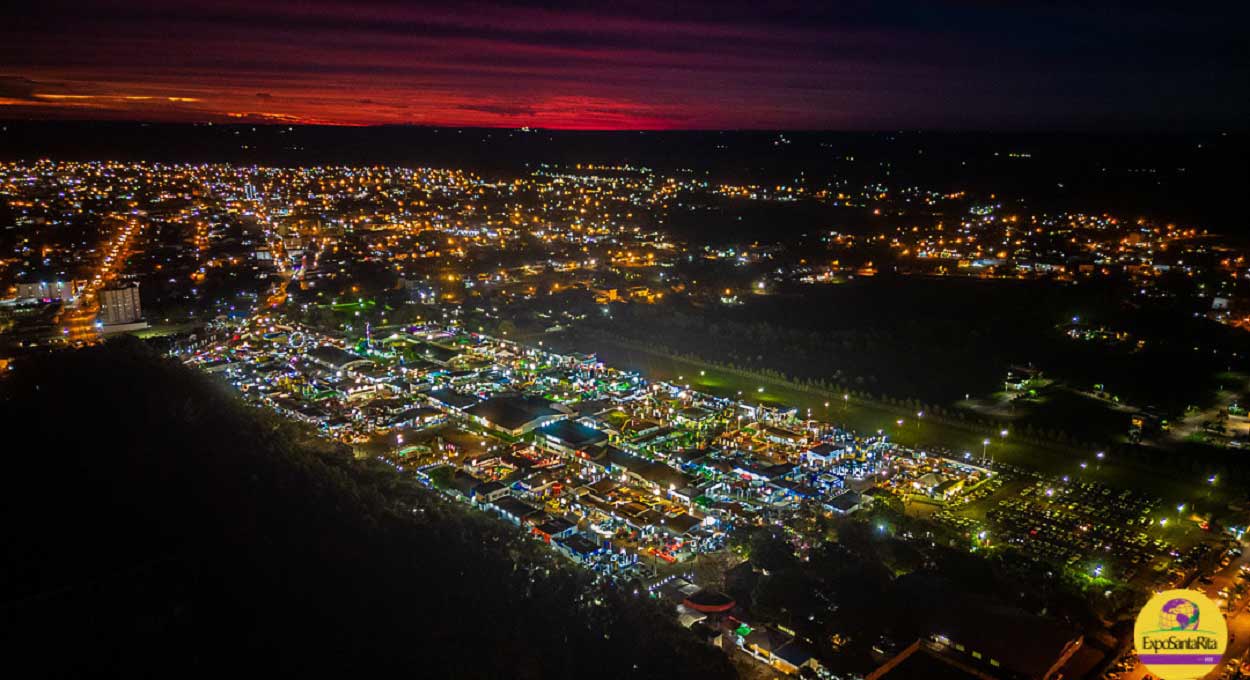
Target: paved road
{"points": [[1238, 619], [1233, 392]]}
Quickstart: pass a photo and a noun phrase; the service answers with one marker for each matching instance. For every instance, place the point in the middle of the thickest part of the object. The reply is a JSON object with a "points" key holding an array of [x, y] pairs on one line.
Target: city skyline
{"points": [[521, 339]]}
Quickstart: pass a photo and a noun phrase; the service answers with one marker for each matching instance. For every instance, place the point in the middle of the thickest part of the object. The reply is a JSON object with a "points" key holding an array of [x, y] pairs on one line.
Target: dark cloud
{"points": [[500, 109], [728, 64], [381, 104], [16, 87]]}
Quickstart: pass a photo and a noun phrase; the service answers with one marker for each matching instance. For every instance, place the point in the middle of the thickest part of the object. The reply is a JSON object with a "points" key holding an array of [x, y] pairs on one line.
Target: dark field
{"points": [[937, 340]]}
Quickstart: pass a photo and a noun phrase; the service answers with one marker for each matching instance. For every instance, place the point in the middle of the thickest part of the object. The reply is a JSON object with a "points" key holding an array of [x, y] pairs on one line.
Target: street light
{"points": [[985, 445]]}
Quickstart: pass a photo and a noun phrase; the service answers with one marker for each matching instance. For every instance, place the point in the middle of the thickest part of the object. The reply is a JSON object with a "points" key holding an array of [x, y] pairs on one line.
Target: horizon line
{"points": [[530, 128]]}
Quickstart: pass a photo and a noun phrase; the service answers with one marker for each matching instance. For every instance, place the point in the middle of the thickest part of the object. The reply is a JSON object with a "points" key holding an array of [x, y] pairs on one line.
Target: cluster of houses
{"points": [[625, 458], [615, 472]]}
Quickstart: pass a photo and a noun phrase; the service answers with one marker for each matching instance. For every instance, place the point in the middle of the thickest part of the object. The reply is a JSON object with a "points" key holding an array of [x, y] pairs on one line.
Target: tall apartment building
{"points": [[120, 304]]}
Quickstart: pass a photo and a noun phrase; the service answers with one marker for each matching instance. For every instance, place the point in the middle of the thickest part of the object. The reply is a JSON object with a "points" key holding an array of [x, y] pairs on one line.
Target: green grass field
{"points": [[914, 432]]}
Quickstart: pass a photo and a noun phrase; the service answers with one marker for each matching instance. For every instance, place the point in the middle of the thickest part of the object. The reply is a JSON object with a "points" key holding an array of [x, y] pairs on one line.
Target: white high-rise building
{"points": [[120, 304]]}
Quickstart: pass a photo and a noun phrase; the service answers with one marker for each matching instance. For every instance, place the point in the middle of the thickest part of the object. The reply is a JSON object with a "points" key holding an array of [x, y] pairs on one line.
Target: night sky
{"points": [[628, 65]]}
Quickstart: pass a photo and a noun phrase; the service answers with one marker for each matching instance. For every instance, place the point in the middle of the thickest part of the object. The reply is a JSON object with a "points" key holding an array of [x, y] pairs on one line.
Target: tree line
{"points": [[160, 525]]}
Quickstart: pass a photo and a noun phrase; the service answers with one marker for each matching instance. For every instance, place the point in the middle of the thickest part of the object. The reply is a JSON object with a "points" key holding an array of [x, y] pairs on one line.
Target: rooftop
{"points": [[453, 398], [512, 412], [333, 356], [573, 434]]}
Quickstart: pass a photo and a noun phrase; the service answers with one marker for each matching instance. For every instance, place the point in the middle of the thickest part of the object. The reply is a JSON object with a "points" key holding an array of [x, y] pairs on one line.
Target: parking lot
{"points": [[1088, 527]]}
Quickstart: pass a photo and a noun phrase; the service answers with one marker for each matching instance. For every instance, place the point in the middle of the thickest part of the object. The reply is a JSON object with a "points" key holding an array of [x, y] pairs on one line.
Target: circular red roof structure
{"points": [[709, 601]]}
